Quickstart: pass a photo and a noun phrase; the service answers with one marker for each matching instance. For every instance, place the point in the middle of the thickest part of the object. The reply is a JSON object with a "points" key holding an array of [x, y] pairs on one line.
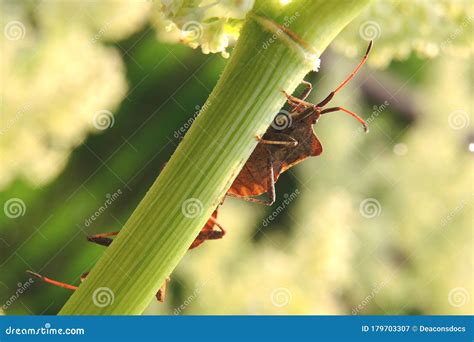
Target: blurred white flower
{"points": [[399, 28], [105, 20], [49, 99], [211, 24], [55, 76]]}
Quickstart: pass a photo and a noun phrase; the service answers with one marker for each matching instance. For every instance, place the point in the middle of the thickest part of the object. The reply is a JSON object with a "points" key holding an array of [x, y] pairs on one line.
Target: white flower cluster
{"points": [[428, 28], [398, 27], [211, 24], [56, 76]]}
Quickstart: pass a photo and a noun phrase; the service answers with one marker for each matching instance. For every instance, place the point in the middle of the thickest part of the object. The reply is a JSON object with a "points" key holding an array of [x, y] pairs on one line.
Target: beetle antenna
{"points": [[351, 76], [354, 115]]}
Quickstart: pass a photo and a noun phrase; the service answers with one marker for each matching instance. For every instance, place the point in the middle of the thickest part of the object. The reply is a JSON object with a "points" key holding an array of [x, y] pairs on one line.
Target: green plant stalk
{"points": [[242, 106]]}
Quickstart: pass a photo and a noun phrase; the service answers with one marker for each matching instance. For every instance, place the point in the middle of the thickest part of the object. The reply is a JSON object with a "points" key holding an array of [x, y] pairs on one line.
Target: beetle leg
{"points": [[270, 183], [290, 142], [84, 276], [303, 95], [305, 92], [295, 102], [213, 234], [209, 234], [161, 294], [102, 239]]}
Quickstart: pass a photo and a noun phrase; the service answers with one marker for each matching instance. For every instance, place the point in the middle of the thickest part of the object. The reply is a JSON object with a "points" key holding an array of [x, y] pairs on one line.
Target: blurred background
{"points": [[97, 95]]}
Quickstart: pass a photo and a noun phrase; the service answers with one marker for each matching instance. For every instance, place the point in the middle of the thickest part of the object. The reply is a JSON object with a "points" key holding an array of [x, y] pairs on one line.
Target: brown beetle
{"points": [[289, 140], [208, 232]]}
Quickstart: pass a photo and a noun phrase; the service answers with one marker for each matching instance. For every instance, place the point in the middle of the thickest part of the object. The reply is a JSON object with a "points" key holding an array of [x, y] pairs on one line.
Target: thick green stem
{"points": [[195, 180]]}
